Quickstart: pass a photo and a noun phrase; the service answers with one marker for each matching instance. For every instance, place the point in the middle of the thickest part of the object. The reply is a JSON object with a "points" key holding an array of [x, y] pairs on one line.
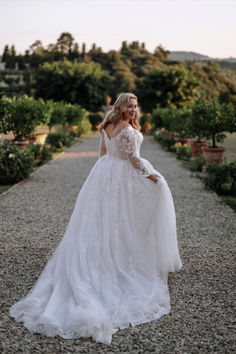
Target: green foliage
{"points": [[212, 119], [59, 140], [197, 164], [169, 87], [73, 134], [162, 117], [21, 116], [180, 122], [215, 82], [35, 149], [230, 200], [64, 43], [74, 114], [183, 152], [124, 68], [123, 79], [198, 123], [165, 141], [175, 120], [84, 127], [15, 163], [45, 155], [4, 108], [67, 113], [95, 119], [58, 115], [42, 154], [77, 83], [221, 177]]}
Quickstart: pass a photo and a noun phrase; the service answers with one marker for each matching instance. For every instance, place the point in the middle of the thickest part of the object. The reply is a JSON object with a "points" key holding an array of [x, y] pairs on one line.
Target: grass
{"points": [[4, 188], [229, 200], [230, 146]]}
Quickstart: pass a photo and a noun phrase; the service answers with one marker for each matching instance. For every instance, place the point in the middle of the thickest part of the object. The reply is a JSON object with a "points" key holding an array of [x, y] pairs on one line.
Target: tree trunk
{"points": [[213, 141]]}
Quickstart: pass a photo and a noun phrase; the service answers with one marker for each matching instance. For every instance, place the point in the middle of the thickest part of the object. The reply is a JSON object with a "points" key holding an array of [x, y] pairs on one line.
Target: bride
{"points": [[111, 267]]}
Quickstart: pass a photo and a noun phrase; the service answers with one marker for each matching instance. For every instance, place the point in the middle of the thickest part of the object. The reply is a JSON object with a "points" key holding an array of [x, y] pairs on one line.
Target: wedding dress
{"points": [[110, 269]]}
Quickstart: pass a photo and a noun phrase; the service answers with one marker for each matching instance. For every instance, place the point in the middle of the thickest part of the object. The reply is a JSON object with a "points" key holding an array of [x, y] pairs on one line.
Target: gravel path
{"points": [[34, 216]]}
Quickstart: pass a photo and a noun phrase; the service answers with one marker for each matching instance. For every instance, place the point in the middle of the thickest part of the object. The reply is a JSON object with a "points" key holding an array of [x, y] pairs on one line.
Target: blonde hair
{"points": [[115, 115]]}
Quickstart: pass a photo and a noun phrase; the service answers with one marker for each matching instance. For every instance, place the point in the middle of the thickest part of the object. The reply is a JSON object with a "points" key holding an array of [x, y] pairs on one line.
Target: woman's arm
{"points": [[102, 146], [130, 151]]}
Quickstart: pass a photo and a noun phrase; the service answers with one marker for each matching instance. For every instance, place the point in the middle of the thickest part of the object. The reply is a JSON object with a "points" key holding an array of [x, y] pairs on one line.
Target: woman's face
{"points": [[131, 109]]}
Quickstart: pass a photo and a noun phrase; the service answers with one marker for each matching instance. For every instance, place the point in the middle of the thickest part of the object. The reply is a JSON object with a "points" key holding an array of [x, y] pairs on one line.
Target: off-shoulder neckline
{"points": [[114, 137]]}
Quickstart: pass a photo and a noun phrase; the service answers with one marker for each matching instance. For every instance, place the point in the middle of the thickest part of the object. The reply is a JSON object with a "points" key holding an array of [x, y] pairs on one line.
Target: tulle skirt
{"points": [[110, 269]]}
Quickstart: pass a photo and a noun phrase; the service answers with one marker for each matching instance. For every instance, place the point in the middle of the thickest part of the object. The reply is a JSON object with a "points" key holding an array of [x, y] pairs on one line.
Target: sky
{"points": [[204, 26]]}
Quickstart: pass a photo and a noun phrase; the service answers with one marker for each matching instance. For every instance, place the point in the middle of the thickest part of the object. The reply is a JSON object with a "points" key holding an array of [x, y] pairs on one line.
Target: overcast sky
{"points": [[204, 26]]}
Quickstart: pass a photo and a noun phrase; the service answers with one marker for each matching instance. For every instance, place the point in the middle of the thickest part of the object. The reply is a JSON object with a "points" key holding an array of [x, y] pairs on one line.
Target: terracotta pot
{"points": [[213, 154], [196, 147], [39, 138], [21, 144], [147, 126], [74, 127], [183, 141], [170, 133]]}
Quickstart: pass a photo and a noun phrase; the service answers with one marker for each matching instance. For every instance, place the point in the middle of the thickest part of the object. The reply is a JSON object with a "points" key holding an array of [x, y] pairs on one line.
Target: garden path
{"points": [[34, 216]]}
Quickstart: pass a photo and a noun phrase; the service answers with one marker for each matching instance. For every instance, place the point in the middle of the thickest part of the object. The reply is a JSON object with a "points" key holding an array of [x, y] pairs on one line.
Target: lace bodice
{"points": [[125, 146]]}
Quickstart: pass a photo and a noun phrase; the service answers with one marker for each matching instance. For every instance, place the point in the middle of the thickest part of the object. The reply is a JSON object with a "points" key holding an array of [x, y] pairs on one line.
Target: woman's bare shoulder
{"points": [[114, 131], [123, 125]]}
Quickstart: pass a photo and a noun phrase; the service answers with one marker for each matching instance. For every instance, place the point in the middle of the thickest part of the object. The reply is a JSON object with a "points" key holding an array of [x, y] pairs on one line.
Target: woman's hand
{"points": [[154, 178]]}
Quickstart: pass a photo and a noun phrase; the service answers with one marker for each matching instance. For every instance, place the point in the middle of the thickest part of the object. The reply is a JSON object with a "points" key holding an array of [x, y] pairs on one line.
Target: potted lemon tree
{"points": [[22, 116], [214, 119], [221, 119], [180, 125], [198, 126], [74, 115]]}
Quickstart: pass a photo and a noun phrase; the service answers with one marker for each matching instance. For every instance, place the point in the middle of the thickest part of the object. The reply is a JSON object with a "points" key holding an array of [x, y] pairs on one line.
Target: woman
{"points": [[110, 269]]}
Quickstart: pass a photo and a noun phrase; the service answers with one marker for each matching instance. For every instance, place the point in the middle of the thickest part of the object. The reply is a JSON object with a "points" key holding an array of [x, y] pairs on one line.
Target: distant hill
{"points": [[185, 56]]}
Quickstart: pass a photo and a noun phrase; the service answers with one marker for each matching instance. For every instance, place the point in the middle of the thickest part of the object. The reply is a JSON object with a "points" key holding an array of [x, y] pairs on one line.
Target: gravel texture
{"points": [[34, 216]]}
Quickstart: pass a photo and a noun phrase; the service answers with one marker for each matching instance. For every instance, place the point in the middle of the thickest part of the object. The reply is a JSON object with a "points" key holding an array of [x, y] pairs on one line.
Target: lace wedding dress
{"points": [[110, 269]]}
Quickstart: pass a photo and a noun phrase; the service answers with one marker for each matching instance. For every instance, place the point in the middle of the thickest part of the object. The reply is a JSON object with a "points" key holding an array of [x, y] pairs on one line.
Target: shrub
{"points": [[45, 155], [42, 154], [221, 177], [23, 115], [166, 141], [183, 152], [15, 163], [35, 149], [74, 114], [58, 115], [162, 117], [175, 120], [73, 134], [58, 140], [197, 164], [85, 126], [180, 122], [95, 119]]}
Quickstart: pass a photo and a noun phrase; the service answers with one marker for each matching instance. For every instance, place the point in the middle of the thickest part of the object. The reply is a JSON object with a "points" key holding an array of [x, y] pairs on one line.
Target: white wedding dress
{"points": [[110, 269]]}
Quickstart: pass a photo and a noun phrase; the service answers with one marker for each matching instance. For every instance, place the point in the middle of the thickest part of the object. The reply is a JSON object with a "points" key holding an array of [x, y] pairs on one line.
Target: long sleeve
{"points": [[130, 151], [102, 146]]}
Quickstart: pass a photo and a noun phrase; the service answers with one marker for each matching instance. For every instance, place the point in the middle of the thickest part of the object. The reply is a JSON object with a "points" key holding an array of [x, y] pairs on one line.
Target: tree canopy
{"points": [[81, 83], [69, 71]]}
